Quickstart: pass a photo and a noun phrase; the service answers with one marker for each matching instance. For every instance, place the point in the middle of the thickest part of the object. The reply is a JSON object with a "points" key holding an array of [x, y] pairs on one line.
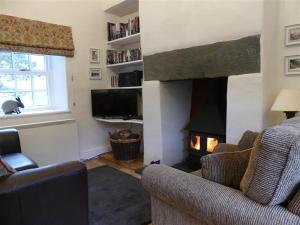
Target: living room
{"points": [[234, 54]]}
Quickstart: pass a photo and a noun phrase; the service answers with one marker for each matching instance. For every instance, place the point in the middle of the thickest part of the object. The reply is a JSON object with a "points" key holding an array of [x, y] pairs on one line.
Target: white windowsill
{"points": [[34, 114], [39, 124]]}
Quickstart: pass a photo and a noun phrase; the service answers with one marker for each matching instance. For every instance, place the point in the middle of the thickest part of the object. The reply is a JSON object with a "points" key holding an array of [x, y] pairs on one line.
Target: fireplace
{"points": [[167, 91], [207, 126]]}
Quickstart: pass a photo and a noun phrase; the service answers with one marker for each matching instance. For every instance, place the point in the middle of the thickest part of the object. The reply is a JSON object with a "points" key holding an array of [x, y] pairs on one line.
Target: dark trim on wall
{"points": [[220, 59]]}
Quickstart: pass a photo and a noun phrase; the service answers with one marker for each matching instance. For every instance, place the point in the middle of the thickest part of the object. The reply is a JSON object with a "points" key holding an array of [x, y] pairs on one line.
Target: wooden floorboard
{"points": [[107, 159]]}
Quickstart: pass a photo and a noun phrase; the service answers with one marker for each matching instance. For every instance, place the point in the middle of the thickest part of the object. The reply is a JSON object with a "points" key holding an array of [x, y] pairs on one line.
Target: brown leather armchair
{"points": [[52, 195]]}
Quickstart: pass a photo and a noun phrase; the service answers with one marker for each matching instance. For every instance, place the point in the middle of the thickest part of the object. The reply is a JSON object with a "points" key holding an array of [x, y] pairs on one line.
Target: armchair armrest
{"points": [[210, 202], [9, 141], [51, 195]]}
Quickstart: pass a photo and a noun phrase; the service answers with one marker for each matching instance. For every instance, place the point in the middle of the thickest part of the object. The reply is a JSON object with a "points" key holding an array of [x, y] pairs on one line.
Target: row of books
{"points": [[114, 56], [120, 30]]}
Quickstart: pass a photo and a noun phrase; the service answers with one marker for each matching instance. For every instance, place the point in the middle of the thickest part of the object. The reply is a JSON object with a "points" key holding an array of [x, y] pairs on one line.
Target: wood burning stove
{"points": [[207, 126], [201, 144]]}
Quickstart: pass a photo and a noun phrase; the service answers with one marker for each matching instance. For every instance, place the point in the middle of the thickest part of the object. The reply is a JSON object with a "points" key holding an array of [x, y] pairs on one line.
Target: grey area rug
{"points": [[116, 198]]}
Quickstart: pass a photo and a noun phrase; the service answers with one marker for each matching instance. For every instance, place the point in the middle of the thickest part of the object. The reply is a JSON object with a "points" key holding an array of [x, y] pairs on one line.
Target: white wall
{"points": [[277, 15], [165, 120], [270, 59], [38, 143], [87, 19], [174, 24], [153, 147], [175, 107], [244, 105], [168, 25]]}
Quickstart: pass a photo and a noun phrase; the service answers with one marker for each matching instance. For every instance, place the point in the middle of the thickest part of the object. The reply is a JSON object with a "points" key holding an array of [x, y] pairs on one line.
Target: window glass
{"points": [[21, 61], [5, 60], [26, 98], [7, 82], [25, 76], [40, 82], [23, 82], [37, 62], [40, 98]]}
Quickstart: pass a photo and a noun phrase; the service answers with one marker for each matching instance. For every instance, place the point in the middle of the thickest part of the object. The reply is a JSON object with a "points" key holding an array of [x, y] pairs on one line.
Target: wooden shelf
{"points": [[124, 8], [135, 38], [120, 65], [118, 120], [120, 88]]}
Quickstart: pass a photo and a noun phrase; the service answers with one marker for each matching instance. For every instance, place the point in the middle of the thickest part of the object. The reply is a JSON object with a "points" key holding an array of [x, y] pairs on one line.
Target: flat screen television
{"points": [[115, 103]]}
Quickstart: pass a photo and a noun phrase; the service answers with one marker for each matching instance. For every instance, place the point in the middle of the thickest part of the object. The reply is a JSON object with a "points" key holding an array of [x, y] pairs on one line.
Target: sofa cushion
{"points": [[19, 161], [226, 168], [294, 205], [274, 167], [249, 173], [5, 168], [224, 147], [247, 140]]}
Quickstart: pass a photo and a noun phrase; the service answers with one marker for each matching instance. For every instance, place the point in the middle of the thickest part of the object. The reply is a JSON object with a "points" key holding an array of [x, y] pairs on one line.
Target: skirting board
{"points": [[91, 153]]}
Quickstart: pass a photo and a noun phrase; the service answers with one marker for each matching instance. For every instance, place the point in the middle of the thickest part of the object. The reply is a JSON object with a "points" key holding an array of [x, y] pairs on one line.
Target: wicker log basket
{"points": [[125, 145]]}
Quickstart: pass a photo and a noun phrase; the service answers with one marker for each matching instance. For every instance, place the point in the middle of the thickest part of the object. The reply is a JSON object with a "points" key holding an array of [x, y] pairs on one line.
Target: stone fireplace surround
{"points": [[167, 104], [220, 59]]}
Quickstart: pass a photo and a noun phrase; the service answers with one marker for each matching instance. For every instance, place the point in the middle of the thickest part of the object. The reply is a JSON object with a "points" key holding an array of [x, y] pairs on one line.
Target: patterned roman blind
{"points": [[24, 35]]}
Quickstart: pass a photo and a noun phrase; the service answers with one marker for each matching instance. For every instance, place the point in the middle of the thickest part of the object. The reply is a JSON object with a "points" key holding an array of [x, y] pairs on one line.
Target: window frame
{"points": [[47, 72]]}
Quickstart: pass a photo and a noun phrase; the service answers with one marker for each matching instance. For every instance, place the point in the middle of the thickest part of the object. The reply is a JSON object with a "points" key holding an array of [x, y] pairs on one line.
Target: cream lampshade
{"points": [[287, 101]]}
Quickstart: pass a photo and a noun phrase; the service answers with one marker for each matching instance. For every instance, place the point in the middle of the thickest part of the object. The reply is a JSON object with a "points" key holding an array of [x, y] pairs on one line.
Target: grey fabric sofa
{"points": [[179, 198]]}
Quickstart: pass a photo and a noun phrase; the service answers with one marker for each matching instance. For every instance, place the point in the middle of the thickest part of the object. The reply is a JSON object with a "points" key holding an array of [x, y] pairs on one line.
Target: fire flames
{"points": [[211, 144], [196, 143]]}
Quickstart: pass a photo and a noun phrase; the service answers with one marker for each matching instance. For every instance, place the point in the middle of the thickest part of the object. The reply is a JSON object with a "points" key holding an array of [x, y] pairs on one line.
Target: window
{"points": [[26, 76]]}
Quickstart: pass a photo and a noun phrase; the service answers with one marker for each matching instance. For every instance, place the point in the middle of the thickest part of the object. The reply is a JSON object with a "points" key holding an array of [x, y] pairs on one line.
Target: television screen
{"points": [[114, 103]]}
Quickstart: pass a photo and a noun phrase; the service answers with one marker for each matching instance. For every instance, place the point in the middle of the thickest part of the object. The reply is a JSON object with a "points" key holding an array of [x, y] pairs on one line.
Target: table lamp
{"points": [[287, 101]]}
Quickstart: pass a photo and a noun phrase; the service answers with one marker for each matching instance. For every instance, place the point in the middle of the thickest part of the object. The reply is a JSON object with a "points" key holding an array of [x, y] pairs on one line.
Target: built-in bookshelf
{"points": [[122, 34], [123, 39], [123, 47]]}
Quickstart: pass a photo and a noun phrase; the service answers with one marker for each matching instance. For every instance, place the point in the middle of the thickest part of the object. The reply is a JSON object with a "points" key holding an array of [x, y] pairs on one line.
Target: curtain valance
{"points": [[24, 35]]}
